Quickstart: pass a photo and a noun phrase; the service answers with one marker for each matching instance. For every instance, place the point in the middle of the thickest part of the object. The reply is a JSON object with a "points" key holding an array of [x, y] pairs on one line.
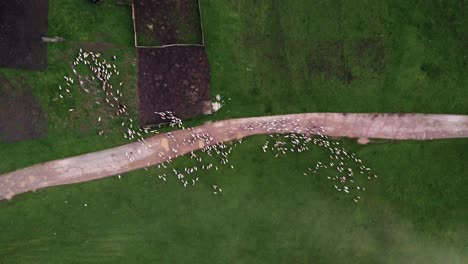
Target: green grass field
{"points": [[268, 57]]}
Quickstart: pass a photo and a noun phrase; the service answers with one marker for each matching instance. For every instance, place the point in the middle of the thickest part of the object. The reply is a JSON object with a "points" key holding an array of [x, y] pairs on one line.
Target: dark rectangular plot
{"points": [[173, 79], [23, 23], [21, 116], [165, 22]]}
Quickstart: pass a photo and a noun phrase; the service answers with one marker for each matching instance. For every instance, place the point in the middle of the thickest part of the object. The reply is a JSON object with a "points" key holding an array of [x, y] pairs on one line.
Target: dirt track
{"points": [[115, 161]]}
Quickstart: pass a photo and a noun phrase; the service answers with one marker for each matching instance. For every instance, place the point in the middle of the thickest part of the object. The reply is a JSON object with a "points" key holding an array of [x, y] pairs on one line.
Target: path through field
{"points": [[162, 147]]}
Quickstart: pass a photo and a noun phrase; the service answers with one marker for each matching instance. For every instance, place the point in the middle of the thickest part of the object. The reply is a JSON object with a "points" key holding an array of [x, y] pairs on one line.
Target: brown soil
{"points": [[164, 22], [22, 26], [173, 79], [21, 117], [161, 147]]}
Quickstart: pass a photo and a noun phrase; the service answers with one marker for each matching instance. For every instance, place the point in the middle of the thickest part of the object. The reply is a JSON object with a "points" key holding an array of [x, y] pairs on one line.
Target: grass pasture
{"points": [[266, 57]]}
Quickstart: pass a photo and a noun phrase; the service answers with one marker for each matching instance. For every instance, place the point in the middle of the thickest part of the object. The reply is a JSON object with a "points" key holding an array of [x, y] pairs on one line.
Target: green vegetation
{"points": [[82, 20], [269, 57]]}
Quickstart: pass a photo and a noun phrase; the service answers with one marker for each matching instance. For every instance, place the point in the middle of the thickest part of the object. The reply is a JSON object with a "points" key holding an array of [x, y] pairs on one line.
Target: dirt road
{"points": [[160, 148]]}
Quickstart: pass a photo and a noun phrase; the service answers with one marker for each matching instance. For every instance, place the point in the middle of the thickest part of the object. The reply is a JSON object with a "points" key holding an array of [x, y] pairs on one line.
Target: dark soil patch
{"points": [[329, 59], [373, 50], [22, 26], [173, 79], [21, 117], [164, 22], [432, 71]]}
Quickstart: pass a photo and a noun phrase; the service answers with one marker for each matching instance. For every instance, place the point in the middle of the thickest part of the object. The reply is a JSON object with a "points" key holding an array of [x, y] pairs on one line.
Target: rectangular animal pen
{"points": [[173, 79]]}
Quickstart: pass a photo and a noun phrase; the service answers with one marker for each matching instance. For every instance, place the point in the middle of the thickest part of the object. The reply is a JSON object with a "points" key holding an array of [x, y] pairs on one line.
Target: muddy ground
{"points": [[22, 26], [173, 79], [21, 117], [163, 22]]}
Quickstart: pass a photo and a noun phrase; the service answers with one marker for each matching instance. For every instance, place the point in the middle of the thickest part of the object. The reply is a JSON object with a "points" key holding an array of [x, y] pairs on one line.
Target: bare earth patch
{"points": [[21, 117], [22, 26], [173, 79]]}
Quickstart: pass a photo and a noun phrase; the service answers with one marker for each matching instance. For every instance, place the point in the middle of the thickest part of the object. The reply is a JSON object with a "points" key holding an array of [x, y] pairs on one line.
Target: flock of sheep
{"points": [[345, 163]]}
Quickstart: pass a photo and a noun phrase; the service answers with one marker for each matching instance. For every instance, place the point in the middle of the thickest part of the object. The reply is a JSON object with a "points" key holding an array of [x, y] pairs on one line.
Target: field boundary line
{"points": [[134, 24], [201, 23], [170, 45]]}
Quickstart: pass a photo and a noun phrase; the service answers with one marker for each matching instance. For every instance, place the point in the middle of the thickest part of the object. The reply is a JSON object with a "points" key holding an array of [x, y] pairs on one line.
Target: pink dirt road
{"points": [[160, 148]]}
